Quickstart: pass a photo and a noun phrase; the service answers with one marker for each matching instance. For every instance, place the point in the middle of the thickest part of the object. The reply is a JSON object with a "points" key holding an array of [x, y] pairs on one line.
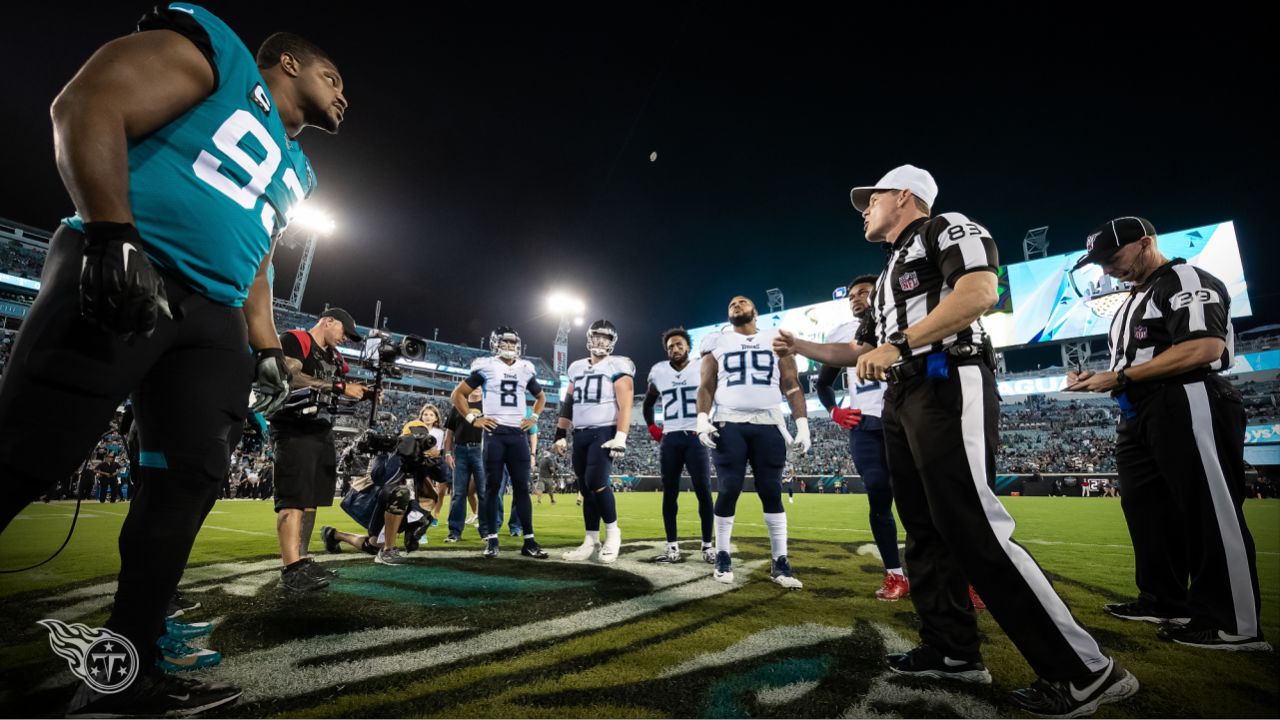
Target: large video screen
{"points": [[1037, 303], [1047, 308]]}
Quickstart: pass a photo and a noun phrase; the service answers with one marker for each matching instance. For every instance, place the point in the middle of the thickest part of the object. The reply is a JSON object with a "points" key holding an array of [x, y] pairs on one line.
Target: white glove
{"points": [[802, 440], [617, 447], [707, 433]]}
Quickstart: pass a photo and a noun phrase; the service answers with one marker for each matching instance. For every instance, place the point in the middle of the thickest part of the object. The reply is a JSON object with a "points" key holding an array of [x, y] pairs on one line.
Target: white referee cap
{"points": [[905, 177]]}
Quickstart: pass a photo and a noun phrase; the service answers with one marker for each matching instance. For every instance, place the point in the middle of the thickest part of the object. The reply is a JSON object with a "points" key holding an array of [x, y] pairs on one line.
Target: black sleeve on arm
{"points": [[164, 18], [963, 246], [533, 387], [866, 334], [566, 407], [650, 399], [826, 386], [291, 347], [1194, 304]]}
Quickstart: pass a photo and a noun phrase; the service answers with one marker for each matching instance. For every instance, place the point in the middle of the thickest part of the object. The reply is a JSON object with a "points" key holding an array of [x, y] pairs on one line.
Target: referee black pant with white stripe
{"points": [[941, 436], [1181, 465]]}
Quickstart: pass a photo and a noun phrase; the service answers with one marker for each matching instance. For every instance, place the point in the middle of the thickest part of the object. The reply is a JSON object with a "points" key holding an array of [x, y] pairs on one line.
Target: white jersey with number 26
{"points": [[865, 396], [679, 391], [594, 403], [748, 373]]}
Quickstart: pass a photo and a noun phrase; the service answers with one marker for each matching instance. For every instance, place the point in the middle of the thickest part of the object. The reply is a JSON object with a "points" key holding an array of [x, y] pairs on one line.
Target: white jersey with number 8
{"points": [[504, 388]]}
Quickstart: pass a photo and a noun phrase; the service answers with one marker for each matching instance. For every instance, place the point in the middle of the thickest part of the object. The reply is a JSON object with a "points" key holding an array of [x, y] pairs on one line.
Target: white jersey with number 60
{"points": [[748, 373], [594, 403]]}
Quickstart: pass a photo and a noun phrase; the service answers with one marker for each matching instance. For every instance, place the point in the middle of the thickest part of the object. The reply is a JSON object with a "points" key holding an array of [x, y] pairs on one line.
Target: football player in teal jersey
{"points": [[176, 145]]}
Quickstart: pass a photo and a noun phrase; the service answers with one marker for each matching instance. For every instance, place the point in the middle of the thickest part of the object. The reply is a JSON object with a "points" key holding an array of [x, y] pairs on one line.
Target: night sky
{"points": [[492, 153]]}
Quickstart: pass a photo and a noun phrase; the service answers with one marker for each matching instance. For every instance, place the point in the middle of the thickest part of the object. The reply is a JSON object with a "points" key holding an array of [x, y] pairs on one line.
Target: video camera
{"points": [[381, 352], [411, 447], [318, 404]]}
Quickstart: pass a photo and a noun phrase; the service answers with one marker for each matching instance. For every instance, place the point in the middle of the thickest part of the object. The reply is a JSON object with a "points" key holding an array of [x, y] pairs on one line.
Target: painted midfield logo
{"points": [[106, 661], [909, 280]]}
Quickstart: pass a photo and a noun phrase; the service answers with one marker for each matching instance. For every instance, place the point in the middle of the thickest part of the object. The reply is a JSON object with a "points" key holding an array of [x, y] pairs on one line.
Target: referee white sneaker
{"points": [[1079, 698], [1202, 636], [924, 661]]}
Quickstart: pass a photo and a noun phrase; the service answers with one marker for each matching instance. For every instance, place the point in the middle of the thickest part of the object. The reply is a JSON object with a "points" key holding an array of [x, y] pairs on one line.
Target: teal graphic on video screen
{"points": [[1047, 308]]}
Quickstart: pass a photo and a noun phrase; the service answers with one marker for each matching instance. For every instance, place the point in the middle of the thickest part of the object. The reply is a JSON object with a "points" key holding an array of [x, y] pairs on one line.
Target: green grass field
{"points": [[454, 635]]}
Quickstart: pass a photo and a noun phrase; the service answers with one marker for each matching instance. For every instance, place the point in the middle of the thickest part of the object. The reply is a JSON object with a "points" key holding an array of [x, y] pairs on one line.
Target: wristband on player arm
{"points": [[561, 434]]}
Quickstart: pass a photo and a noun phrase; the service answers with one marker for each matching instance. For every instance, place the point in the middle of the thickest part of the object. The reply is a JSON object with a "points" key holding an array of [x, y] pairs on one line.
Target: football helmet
{"points": [[505, 343], [601, 337]]}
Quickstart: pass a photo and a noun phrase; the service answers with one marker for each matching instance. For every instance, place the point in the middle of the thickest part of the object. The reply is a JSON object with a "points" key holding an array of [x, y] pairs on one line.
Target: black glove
{"points": [[120, 291], [270, 381]]}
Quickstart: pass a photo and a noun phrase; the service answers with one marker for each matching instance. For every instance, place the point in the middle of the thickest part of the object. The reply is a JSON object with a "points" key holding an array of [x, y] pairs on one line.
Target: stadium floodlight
{"points": [[578, 321], [567, 309], [312, 219], [560, 304]]}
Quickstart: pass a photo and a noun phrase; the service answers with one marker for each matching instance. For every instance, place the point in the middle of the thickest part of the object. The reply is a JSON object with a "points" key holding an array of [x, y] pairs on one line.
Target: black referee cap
{"points": [[1106, 240]]}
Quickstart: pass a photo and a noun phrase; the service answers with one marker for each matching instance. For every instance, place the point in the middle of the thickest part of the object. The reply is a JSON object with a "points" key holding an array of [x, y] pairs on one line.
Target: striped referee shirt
{"points": [[924, 264], [1178, 302]]}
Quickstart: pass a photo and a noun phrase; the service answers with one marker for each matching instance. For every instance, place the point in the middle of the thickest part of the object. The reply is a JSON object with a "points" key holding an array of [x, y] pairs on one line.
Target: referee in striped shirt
{"points": [[1179, 444], [940, 428]]}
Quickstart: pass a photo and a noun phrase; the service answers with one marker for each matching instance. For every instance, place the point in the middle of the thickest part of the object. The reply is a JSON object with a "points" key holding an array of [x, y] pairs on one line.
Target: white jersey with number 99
{"points": [[747, 378]]}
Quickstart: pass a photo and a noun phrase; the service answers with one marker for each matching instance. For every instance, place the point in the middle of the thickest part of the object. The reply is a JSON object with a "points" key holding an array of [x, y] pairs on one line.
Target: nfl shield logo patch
{"points": [[1140, 332], [909, 280]]}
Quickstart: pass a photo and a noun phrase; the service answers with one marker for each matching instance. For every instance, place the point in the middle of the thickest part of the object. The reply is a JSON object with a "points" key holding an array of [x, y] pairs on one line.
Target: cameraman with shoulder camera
{"points": [[306, 457]]}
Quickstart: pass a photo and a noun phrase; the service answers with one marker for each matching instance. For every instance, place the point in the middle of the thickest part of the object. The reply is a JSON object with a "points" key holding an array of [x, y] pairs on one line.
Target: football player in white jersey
{"points": [[675, 382], [505, 378], [861, 418], [598, 407], [747, 382]]}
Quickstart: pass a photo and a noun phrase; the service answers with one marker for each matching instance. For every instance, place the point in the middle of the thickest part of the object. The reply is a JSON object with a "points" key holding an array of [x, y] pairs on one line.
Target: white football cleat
{"points": [[781, 574], [612, 543], [724, 568], [585, 551]]}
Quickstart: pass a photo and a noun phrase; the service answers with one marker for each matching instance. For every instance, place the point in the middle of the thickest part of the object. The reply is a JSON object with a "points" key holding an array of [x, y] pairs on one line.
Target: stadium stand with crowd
{"points": [[1046, 433]]}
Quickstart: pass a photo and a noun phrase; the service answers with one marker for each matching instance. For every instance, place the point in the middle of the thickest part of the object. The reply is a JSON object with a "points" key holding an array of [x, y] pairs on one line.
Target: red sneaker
{"points": [[977, 601], [895, 587]]}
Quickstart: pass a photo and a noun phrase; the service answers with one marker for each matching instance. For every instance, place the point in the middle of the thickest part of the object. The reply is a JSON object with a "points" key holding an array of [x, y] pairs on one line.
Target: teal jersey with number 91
{"points": [[210, 189]]}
